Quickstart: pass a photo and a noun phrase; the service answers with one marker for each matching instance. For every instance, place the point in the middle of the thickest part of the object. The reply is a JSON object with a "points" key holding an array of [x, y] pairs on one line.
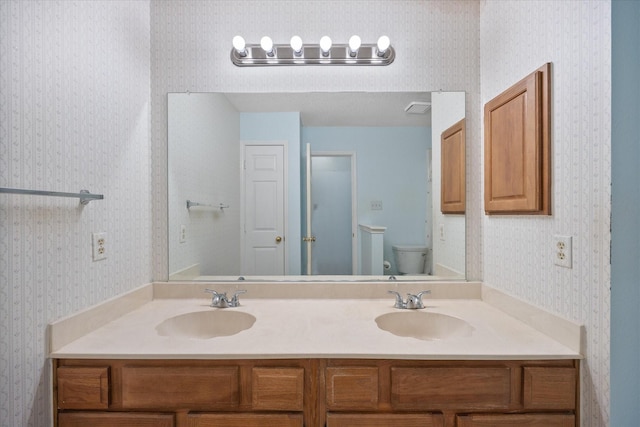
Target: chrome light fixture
{"points": [[325, 53]]}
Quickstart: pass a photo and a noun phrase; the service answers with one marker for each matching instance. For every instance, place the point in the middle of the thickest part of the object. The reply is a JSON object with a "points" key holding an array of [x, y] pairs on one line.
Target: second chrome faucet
{"points": [[220, 299], [413, 302]]}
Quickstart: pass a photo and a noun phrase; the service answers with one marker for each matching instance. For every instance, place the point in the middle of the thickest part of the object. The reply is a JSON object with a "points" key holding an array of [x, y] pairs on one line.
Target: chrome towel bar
{"points": [[84, 195], [191, 204]]}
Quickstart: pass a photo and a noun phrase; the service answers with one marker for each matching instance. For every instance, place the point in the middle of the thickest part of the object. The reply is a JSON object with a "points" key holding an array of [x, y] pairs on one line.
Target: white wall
{"points": [[204, 165], [74, 113], [516, 38]]}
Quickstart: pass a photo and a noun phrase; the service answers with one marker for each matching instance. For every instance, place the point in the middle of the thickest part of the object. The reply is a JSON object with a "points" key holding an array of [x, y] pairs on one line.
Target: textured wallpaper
{"points": [[74, 113], [516, 38]]}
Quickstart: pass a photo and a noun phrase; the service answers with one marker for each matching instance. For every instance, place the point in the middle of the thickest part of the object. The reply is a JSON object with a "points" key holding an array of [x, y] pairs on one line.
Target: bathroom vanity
{"points": [[309, 362], [315, 392]]}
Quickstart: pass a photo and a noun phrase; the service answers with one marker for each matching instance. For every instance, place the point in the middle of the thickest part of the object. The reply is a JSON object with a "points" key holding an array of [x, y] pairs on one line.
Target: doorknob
{"points": [[278, 239]]}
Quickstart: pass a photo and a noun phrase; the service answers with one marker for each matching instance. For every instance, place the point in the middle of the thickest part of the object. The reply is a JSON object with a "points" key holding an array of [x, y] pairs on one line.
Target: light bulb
{"points": [[239, 45], [296, 45], [267, 45], [354, 45], [383, 45], [325, 45]]}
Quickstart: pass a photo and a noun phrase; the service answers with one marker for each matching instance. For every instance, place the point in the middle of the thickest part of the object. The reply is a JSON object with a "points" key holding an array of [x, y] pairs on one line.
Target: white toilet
{"points": [[410, 259]]}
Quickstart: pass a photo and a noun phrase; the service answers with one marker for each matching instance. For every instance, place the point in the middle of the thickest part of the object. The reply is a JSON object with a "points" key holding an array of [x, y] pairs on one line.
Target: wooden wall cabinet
{"points": [[517, 147], [452, 174], [315, 393]]}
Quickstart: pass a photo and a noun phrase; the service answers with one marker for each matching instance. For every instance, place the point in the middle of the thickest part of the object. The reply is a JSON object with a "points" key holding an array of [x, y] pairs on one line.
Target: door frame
{"points": [[285, 166], [354, 201]]}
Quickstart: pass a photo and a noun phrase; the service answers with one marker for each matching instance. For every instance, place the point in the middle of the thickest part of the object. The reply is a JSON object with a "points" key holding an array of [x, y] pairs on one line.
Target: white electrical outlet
{"points": [[183, 233], [562, 251], [99, 244], [441, 231], [376, 205]]}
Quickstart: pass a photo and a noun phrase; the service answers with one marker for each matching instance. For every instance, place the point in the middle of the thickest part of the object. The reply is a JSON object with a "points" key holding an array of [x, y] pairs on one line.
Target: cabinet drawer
{"points": [[549, 388], [245, 420], [110, 419], [279, 389], [450, 387], [180, 387], [524, 420], [384, 420], [352, 388], [83, 387]]}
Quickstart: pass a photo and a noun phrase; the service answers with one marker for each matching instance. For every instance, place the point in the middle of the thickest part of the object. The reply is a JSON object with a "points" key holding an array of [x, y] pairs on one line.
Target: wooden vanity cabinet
{"points": [[315, 392], [181, 393], [451, 393]]}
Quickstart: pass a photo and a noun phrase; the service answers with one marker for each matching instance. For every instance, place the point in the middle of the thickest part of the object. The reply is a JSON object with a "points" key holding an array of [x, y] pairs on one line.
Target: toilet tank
{"points": [[410, 259]]}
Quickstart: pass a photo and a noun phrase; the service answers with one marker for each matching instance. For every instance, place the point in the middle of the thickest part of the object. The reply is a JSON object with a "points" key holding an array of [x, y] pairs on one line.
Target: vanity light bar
{"points": [[354, 53]]}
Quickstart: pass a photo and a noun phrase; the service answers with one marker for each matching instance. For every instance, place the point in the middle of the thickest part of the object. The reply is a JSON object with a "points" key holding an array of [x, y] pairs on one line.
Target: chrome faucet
{"points": [[413, 302], [220, 299]]}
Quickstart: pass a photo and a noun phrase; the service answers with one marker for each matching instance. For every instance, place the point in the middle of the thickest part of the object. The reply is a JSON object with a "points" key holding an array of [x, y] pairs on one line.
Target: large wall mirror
{"points": [[311, 186]]}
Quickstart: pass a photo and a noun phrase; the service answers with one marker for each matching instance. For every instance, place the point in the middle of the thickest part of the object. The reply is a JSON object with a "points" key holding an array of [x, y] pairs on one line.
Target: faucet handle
{"points": [[419, 295], [415, 301], [217, 297], [399, 302], [234, 302]]}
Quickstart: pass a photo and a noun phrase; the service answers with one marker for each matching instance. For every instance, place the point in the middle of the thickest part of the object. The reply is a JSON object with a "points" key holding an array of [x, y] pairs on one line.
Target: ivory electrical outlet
{"points": [[563, 251], [99, 244], [183, 233]]}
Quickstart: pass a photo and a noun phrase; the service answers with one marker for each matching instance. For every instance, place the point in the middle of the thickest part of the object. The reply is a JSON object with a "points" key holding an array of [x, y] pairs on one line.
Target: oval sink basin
{"points": [[206, 324], [424, 325]]}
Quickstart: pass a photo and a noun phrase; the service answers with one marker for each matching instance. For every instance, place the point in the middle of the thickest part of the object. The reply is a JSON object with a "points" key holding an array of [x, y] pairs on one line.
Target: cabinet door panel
{"points": [[384, 420], [517, 147], [111, 419], [450, 388], [452, 181], [245, 420], [549, 388], [352, 388], [519, 420], [180, 387], [83, 387], [280, 389]]}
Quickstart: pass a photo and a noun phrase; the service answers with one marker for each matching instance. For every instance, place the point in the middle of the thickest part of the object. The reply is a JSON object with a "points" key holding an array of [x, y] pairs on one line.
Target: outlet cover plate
{"points": [[99, 246], [563, 251]]}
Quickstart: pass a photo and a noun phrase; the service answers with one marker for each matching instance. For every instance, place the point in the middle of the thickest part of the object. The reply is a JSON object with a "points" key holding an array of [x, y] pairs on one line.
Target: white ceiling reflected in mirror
{"points": [[311, 186]]}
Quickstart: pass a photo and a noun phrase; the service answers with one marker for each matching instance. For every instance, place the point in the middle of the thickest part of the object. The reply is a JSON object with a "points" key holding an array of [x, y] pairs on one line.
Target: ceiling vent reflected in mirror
{"points": [[417, 107]]}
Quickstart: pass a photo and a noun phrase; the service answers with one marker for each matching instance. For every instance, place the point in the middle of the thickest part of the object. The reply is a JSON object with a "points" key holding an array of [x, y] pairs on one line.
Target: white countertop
{"points": [[314, 328]]}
